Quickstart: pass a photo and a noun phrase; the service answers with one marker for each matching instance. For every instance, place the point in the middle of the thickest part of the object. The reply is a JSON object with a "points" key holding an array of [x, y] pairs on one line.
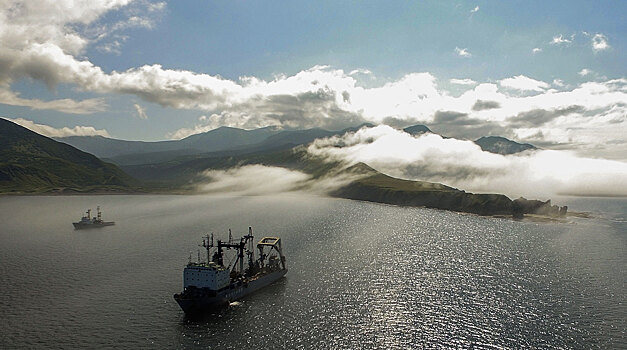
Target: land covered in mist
{"points": [[233, 160]]}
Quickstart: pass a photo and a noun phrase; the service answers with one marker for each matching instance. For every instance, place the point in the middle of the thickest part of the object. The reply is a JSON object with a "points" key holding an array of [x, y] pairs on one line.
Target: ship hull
{"points": [[81, 226], [199, 303]]}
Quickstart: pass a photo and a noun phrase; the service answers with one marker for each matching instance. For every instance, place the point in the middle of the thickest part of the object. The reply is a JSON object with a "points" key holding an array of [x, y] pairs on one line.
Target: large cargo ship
{"points": [[212, 284], [88, 222]]}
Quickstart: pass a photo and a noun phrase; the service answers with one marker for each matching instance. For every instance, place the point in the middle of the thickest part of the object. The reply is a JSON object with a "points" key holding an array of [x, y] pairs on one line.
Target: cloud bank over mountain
{"points": [[46, 41], [50, 131], [462, 164]]}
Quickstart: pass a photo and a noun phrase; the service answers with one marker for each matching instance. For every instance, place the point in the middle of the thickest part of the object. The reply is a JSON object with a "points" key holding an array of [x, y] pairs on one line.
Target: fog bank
{"points": [[462, 164]]}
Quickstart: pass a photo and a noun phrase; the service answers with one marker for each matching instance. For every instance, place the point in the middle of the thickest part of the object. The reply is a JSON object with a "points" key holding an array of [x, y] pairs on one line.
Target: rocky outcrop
{"points": [[523, 206]]}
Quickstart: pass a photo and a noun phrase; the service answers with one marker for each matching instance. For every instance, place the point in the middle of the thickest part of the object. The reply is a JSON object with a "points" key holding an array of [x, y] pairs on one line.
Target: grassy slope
{"points": [[31, 163], [385, 189]]}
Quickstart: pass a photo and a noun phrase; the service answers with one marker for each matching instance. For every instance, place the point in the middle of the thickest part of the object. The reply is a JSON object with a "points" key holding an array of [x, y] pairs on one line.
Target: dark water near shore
{"points": [[362, 275]]}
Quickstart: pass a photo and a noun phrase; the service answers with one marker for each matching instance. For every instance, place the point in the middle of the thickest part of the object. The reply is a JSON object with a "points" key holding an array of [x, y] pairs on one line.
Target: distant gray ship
{"points": [[212, 285], [88, 222]]}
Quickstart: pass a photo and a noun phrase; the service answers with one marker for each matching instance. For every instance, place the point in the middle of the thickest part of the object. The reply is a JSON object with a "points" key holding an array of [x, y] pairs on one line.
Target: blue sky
{"points": [[235, 38], [151, 70]]}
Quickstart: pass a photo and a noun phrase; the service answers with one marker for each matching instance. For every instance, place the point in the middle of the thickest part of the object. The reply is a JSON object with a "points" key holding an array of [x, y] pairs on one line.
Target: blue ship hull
{"points": [[197, 300]]}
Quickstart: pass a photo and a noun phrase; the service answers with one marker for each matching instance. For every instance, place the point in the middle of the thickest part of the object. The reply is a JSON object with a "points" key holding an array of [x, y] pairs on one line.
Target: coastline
{"points": [[527, 217]]}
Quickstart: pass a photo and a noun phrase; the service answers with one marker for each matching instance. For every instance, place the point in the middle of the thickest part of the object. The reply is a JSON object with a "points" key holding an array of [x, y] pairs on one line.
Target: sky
{"points": [[547, 73]]}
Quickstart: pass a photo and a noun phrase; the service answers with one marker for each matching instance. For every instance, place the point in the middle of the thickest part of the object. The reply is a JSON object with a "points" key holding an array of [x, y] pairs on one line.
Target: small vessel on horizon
{"points": [[88, 222], [212, 284]]}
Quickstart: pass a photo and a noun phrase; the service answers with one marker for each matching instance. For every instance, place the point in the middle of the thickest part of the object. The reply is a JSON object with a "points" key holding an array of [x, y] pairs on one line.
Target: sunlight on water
{"points": [[361, 275]]}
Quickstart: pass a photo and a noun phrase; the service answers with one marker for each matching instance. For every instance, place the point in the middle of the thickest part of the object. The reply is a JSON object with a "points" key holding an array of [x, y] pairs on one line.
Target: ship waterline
{"points": [[88, 222], [211, 285], [237, 291]]}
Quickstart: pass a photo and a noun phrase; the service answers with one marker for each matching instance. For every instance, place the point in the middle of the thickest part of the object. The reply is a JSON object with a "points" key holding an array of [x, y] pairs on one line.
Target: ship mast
{"points": [[208, 243]]}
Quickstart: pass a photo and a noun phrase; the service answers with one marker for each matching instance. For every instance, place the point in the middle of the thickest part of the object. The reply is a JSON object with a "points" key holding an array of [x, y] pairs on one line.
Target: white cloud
{"points": [[204, 124], [523, 83], [50, 131], [463, 52], [558, 82], [416, 99], [141, 112], [254, 180], [259, 179], [465, 81], [157, 6], [536, 50], [114, 45], [41, 41], [475, 9], [599, 42], [585, 72], [40, 37], [559, 40], [65, 105], [360, 71], [463, 164]]}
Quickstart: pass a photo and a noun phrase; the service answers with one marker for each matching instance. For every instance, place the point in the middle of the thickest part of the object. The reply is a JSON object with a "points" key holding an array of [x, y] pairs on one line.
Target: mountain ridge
{"points": [[237, 141], [32, 163]]}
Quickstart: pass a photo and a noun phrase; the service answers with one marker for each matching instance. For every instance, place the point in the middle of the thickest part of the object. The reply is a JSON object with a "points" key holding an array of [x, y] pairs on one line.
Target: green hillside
{"points": [[32, 163], [381, 188]]}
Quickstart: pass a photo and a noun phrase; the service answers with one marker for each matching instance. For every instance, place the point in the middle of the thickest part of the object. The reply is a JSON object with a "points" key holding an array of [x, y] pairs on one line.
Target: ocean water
{"points": [[361, 275]]}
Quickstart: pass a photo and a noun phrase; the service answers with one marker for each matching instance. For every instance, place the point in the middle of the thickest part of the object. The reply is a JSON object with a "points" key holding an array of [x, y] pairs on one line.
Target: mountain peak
{"points": [[417, 129], [501, 145]]}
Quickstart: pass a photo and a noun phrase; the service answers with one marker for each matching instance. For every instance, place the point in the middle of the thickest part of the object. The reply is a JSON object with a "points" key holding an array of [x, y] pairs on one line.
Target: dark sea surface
{"points": [[361, 276]]}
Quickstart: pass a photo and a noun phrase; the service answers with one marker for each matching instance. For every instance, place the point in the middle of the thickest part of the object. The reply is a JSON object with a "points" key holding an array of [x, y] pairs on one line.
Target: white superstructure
{"points": [[212, 276]]}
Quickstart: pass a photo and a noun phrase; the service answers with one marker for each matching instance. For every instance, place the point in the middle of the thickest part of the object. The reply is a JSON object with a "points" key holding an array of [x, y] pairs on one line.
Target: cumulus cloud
{"points": [[64, 105], [560, 40], [462, 164], [141, 112], [585, 72], [204, 124], [45, 41], [558, 82], [463, 52], [461, 125], [536, 50], [599, 42], [538, 117], [523, 83], [361, 71], [50, 131], [42, 40], [481, 105], [475, 9], [465, 81]]}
